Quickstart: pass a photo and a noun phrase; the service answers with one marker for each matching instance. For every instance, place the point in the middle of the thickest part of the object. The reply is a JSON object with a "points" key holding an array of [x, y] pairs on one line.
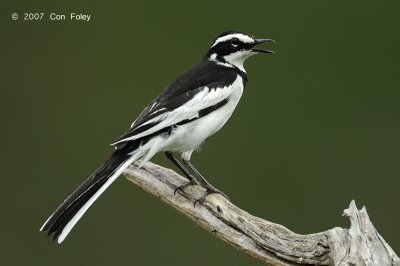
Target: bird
{"points": [[189, 110]]}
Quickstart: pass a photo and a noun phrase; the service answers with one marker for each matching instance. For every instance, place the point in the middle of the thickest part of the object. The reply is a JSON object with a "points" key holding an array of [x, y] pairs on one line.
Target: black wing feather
{"points": [[183, 89]]}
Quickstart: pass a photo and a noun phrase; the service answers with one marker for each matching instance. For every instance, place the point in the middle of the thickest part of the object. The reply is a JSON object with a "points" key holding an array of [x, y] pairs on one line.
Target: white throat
{"points": [[237, 59]]}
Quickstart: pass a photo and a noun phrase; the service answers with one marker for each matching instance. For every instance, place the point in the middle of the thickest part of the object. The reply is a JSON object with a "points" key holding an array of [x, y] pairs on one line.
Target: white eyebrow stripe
{"points": [[241, 37]]}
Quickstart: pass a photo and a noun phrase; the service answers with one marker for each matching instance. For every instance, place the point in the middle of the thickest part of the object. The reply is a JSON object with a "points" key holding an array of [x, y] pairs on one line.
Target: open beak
{"points": [[258, 41]]}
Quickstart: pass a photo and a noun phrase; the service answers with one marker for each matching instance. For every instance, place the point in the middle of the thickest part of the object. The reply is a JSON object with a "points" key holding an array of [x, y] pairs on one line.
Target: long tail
{"points": [[72, 209]]}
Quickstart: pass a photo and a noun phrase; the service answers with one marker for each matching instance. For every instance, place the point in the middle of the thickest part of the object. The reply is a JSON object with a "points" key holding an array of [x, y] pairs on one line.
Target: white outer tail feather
{"points": [[68, 227]]}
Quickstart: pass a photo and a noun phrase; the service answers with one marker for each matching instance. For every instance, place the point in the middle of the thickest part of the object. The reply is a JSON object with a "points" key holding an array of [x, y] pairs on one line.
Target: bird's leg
{"points": [[192, 180], [209, 188]]}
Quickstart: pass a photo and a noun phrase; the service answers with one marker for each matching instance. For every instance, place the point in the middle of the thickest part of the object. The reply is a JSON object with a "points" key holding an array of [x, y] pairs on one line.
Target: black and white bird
{"points": [[189, 110]]}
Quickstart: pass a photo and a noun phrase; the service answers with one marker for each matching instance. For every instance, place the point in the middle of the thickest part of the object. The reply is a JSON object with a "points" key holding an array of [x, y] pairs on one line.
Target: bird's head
{"points": [[235, 47]]}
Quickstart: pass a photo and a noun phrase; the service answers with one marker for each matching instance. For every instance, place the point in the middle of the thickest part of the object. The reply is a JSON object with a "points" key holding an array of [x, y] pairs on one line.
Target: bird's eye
{"points": [[234, 42]]}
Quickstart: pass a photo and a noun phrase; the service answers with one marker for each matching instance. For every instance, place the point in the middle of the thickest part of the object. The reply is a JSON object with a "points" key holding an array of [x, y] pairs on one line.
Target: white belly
{"points": [[186, 138]]}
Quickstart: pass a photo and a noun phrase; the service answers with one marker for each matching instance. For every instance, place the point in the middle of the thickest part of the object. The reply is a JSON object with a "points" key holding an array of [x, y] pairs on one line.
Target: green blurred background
{"points": [[317, 127]]}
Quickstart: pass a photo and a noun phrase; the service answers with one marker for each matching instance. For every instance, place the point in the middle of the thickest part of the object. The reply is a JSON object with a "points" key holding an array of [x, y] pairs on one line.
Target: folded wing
{"points": [[181, 101]]}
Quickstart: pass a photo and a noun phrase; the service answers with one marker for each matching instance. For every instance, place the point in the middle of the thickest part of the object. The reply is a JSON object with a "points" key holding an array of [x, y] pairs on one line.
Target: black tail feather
{"points": [[70, 207], [70, 213]]}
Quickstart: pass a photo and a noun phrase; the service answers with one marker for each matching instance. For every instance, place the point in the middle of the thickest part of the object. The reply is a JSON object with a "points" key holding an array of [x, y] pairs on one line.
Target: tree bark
{"points": [[268, 242]]}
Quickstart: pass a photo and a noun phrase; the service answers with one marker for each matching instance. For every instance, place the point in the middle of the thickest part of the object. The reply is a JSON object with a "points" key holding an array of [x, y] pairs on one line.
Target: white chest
{"points": [[189, 136]]}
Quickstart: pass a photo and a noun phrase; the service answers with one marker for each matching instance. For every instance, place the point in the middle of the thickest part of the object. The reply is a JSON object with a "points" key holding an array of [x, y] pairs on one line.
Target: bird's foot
{"points": [[190, 183], [210, 190]]}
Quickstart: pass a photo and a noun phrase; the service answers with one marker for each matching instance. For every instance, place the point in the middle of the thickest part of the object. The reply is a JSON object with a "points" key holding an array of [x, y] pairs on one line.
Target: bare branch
{"points": [[271, 243]]}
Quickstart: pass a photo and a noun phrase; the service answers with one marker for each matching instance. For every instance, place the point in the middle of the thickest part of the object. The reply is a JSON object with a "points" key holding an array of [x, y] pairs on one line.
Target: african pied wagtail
{"points": [[192, 108]]}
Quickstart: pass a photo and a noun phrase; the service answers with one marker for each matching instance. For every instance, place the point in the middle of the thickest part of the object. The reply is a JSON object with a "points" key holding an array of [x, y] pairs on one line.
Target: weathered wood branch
{"points": [[271, 243]]}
